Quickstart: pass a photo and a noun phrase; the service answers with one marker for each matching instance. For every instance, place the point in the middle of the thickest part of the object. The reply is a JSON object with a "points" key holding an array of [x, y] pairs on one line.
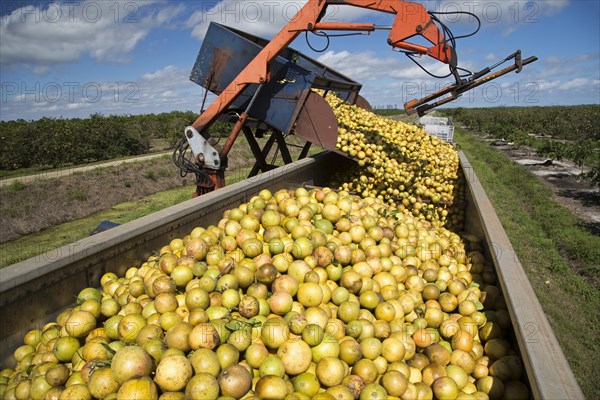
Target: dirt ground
{"points": [[29, 204], [33, 206], [564, 178]]}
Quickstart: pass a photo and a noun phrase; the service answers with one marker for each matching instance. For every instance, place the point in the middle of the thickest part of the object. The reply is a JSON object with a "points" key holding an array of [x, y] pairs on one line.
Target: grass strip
{"points": [[559, 256]]}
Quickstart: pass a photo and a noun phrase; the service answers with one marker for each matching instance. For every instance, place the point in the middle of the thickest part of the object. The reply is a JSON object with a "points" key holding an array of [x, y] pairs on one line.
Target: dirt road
{"points": [[50, 174]]}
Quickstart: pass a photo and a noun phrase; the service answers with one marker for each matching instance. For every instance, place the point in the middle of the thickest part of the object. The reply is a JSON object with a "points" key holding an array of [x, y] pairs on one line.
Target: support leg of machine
{"points": [[254, 146], [265, 152], [285, 152], [305, 150]]}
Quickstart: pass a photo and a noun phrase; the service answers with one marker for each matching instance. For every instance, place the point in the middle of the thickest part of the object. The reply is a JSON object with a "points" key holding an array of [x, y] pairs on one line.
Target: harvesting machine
{"points": [[265, 85]]}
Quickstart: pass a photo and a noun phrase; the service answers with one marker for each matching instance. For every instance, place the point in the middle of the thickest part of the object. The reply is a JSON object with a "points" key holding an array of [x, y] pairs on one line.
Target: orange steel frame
{"points": [[411, 19]]}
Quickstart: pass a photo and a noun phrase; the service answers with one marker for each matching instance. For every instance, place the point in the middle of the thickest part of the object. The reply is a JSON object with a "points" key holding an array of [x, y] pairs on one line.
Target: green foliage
{"points": [[56, 142], [16, 186], [558, 132], [79, 194], [559, 122], [553, 149], [220, 129], [386, 112], [150, 175], [9, 212], [594, 174], [584, 151]]}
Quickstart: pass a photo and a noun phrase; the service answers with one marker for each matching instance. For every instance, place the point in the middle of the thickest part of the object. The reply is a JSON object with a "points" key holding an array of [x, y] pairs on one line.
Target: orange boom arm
{"points": [[411, 20]]}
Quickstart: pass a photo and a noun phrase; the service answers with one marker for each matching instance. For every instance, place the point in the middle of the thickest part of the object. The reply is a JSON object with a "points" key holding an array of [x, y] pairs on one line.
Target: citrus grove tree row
{"points": [[355, 292], [61, 142], [569, 132]]}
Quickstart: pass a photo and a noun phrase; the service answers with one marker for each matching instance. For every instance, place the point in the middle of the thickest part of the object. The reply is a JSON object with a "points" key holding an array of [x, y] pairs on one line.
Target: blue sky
{"points": [[71, 59]]}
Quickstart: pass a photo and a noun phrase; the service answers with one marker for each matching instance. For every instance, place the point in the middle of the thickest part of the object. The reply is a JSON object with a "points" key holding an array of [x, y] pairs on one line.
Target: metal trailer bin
{"points": [[32, 292]]}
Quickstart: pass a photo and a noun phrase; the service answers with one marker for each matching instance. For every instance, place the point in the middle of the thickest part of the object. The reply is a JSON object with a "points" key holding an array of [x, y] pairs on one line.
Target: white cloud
{"points": [[169, 94], [552, 86], [554, 66], [263, 17], [556, 61], [362, 66], [580, 83], [40, 69], [506, 15], [552, 60], [395, 80], [391, 80], [168, 14], [366, 66], [62, 32], [509, 30], [74, 106], [168, 73], [556, 71], [267, 17], [551, 7], [510, 90], [162, 90], [495, 11]]}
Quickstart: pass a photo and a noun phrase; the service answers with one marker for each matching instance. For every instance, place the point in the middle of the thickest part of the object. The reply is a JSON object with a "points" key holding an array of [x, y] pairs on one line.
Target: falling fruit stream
{"points": [[399, 163], [361, 292]]}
